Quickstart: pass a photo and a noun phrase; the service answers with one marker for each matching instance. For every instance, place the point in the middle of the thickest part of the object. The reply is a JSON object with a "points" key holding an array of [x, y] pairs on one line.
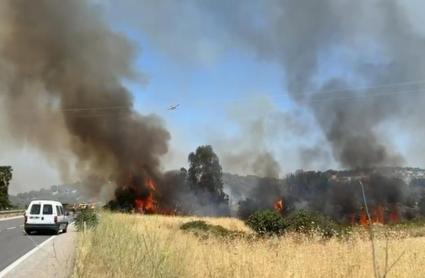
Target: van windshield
{"points": [[47, 209], [35, 209]]}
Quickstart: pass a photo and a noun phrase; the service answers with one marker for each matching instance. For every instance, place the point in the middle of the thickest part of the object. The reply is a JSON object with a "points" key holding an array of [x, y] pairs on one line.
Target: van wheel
{"points": [[28, 231], [66, 228]]}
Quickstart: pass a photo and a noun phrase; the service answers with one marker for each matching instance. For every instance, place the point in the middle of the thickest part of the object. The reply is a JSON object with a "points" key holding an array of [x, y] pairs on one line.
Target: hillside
{"points": [[62, 193]]}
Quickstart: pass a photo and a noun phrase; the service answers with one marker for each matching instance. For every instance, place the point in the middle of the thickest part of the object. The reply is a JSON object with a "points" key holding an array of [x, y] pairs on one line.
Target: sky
{"points": [[228, 95], [221, 89]]}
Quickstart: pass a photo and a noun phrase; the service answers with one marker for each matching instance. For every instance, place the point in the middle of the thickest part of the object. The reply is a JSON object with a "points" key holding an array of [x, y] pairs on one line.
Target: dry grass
{"points": [[154, 246]]}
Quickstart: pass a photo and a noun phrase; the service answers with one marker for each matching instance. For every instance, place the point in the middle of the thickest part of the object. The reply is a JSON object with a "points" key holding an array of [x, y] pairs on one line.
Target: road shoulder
{"points": [[53, 259]]}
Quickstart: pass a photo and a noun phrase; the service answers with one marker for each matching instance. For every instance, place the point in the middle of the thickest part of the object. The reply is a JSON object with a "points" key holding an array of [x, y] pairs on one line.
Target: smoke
{"points": [[356, 67], [336, 194], [349, 64], [380, 49], [61, 72], [249, 146]]}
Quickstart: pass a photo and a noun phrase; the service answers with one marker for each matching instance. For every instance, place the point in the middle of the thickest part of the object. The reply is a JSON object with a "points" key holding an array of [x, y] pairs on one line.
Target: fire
{"points": [[150, 184], [378, 215], [278, 205], [363, 217], [147, 204]]}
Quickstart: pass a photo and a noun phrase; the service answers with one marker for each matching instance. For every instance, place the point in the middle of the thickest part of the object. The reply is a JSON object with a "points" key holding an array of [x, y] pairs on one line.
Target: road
{"points": [[14, 243]]}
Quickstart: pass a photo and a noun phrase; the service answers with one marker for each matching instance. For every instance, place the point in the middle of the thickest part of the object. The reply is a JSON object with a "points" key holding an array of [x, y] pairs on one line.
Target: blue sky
{"points": [[223, 88], [207, 93]]}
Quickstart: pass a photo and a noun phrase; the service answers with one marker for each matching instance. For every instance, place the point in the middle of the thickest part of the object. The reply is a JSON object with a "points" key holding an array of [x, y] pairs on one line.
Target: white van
{"points": [[45, 215]]}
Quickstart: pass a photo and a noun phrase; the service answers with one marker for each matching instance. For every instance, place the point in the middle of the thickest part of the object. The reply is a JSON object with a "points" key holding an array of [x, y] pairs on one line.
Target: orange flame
{"points": [[148, 204], [278, 205], [378, 215], [363, 217], [150, 184], [145, 205]]}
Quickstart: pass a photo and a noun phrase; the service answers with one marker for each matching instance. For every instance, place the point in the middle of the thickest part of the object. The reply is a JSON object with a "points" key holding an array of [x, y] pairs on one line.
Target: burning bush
{"points": [[124, 200], [267, 222], [198, 191]]}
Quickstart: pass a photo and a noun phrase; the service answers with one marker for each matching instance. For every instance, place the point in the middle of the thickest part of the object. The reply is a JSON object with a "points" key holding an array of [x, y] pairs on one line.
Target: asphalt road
{"points": [[14, 243]]}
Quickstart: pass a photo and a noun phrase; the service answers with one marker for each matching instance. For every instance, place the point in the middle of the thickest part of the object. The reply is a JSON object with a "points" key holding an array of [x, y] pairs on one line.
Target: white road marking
{"points": [[21, 259], [11, 228]]}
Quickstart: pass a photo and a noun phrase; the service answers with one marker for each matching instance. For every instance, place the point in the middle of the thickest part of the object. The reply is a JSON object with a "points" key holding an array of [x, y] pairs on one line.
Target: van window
{"points": [[58, 210], [62, 211], [47, 209], [35, 209]]}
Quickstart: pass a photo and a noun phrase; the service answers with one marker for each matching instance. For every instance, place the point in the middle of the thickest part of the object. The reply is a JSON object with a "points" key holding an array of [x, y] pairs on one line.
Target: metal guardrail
{"points": [[3, 212]]}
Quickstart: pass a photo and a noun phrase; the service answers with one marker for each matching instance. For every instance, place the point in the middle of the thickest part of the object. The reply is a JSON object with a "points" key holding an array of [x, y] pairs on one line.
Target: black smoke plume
{"points": [[338, 194], [62, 69]]}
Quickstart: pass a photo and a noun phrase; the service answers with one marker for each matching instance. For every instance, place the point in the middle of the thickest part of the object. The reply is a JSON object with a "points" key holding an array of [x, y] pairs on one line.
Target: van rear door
{"points": [[41, 213], [48, 215], [34, 213]]}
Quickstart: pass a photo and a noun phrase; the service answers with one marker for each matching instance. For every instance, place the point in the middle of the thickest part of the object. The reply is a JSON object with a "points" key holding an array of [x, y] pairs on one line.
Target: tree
{"points": [[205, 175], [5, 177]]}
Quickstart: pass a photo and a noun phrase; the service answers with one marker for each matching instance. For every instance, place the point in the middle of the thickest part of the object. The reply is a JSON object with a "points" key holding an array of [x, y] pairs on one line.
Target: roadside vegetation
{"points": [[124, 245], [5, 177], [86, 219]]}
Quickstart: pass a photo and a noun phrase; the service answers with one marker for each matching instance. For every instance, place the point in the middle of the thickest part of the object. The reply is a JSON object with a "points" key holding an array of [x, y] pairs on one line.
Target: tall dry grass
{"points": [[154, 246]]}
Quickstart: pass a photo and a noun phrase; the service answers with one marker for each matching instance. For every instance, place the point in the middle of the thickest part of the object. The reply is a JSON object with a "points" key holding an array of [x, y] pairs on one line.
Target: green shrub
{"points": [[198, 224], [202, 229], [87, 216], [267, 222], [308, 222]]}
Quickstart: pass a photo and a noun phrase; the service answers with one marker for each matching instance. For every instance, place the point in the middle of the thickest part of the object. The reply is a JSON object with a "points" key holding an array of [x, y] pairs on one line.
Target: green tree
{"points": [[5, 177], [205, 175]]}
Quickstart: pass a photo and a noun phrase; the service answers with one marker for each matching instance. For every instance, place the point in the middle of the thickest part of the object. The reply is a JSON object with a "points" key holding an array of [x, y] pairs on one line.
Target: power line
{"points": [[366, 95], [316, 96], [329, 94], [365, 88]]}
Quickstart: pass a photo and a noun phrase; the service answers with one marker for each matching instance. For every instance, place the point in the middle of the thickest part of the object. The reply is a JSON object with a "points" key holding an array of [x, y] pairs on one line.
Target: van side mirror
{"points": [[67, 213]]}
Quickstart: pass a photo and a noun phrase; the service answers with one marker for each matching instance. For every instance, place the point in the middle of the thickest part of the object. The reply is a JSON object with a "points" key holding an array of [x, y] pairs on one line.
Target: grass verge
{"points": [[156, 246]]}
